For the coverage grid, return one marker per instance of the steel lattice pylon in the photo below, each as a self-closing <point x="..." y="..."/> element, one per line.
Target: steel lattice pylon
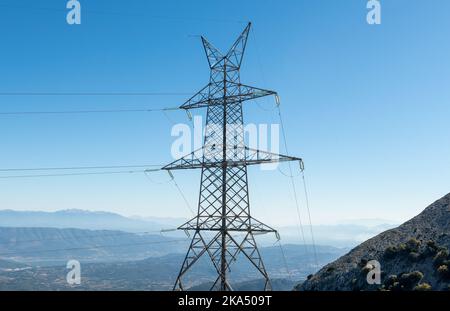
<point x="224" y="207"/>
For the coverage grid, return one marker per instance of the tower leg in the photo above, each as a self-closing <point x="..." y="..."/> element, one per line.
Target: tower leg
<point x="213" y="248"/>
<point x="249" y="248"/>
<point x="197" y="249"/>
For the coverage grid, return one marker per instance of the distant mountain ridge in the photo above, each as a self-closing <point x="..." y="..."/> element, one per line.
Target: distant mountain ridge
<point x="346" y="234"/>
<point x="81" y="219"/>
<point x="414" y="255"/>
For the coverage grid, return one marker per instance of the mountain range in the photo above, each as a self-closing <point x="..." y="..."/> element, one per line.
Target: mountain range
<point x="130" y="253"/>
<point x="50" y="246"/>
<point x="82" y="219"/>
<point x="344" y="234"/>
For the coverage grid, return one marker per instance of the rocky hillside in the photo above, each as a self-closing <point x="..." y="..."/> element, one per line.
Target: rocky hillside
<point x="413" y="256"/>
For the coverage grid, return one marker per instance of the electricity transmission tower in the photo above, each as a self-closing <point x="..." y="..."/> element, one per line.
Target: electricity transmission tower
<point x="223" y="228"/>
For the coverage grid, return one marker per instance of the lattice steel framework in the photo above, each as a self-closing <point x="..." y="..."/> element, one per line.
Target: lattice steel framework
<point x="223" y="228"/>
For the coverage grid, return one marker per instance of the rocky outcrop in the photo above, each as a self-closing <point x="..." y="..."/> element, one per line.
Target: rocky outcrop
<point x="413" y="256"/>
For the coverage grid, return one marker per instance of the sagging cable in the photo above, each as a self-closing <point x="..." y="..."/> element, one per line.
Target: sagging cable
<point x="181" y="192"/>
<point x="147" y="175"/>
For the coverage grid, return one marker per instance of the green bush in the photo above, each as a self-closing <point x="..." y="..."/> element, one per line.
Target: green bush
<point x="409" y="280"/>
<point x="431" y="248"/>
<point x="413" y="245"/>
<point x="423" y="287"/>
<point x="402" y="247"/>
<point x="440" y="257"/>
<point x="390" y="280"/>
<point x="390" y="252"/>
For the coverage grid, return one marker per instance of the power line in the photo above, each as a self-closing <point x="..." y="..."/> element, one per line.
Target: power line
<point x="292" y="180"/>
<point x="287" y="175"/>
<point x="172" y="179"/>
<point x="295" y="195"/>
<point x="153" y="181"/>
<point x="276" y="106"/>
<point x="309" y="216"/>
<point x="93" y="94"/>
<point x="147" y="16"/>
<point x="88" y="111"/>
<point x="76" y="168"/>
<point x="168" y="118"/>
<point x="284" y="260"/>
<point x="71" y="174"/>
<point x="182" y="194"/>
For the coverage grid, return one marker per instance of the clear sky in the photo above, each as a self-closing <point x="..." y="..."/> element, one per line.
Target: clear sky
<point x="367" y="107"/>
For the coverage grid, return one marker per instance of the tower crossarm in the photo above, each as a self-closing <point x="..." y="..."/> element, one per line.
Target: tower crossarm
<point x="238" y="156"/>
<point x="212" y="96"/>
<point x="212" y="223"/>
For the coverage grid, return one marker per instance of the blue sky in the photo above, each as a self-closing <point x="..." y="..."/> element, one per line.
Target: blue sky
<point x="367" y="107"/>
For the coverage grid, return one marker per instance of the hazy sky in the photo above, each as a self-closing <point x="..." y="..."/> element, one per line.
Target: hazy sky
<point x="367" y="107"/>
